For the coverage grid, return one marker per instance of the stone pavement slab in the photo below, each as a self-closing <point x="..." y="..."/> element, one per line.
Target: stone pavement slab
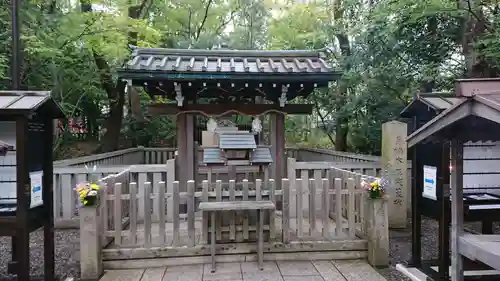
<point x="344" y="270"/>
<point x="328" y="271"/>
<point x="184" y="273"/>
<point x="297" y="268"/>
<point x="357" y="270"/>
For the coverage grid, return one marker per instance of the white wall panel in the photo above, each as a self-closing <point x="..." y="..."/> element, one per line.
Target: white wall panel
<point x="482" y="167"/>
<point x="8" y="162"/>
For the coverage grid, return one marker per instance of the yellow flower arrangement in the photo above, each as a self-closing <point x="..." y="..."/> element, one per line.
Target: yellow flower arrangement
<point x="88" y="193"/>
<point x="375" y="187"/>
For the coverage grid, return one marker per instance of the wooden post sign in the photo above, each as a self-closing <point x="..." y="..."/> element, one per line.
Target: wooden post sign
<point x="395" y="169"/>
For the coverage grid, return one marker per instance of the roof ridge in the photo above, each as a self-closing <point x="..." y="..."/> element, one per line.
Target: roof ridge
<point x="226" y="52"/>
<point x="437" y="94"/>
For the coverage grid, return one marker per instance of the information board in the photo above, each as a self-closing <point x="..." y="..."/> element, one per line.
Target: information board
<point x="36" y="189"/>
<point x="430" y="175"/>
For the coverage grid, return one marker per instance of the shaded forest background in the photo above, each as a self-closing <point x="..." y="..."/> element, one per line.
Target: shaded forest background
<point x="387" y="49"/>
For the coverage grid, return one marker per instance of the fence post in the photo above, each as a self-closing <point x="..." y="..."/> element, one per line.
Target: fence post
<point x="291" y="176"/>
<point x="90" y="243"/>
<point x="141" y="155"/>
<point x="169" y="186"/>
<point x="377" y="232"/>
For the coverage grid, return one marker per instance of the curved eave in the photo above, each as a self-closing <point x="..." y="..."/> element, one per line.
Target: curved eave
<point x="313" y="77"/>
<point x="486" y="108"/>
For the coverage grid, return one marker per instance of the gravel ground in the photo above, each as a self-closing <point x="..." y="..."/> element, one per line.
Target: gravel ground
<point x="67" y="243"/>
<point x="400" y="246"/>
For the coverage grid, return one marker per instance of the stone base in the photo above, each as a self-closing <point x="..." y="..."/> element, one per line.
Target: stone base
<point x="377" y="231"/>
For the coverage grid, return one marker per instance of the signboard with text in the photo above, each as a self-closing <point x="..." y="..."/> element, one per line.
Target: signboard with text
<point x="430" y="176"/>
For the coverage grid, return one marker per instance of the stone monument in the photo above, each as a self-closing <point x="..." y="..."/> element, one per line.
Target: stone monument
<point x="395" y="170"/>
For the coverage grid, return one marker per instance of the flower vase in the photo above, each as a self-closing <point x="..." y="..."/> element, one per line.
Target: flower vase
<point x="91" y="200"/>
<point x="375" y="194"/>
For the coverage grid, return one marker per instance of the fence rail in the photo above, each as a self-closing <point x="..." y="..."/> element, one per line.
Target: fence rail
<point x="159" y="155"/>
<point x="327" y="155"/>
<point x="189" y="230"/>
<point x="148" y="164"/>
<point x="66" y="179"/>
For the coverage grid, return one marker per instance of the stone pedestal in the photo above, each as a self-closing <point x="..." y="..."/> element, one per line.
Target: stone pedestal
<point x="377" y="232"/>
<point x="395" y="171"/>
<point x="90" y="244"/>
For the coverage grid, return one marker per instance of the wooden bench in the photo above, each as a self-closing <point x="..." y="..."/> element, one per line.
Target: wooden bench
<point x="259" y="206"/>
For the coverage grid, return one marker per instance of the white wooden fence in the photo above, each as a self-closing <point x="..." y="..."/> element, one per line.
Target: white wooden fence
<point x="66" y="179"/>
<point x="157" y="230"/>
<point x="160" y="155"/>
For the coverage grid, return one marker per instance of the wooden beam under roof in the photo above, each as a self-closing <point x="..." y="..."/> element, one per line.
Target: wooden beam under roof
<point x="218" y="110"/>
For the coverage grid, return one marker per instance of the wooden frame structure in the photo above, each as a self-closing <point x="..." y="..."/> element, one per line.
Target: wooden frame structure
<point x="475" y="117"/>
<point x="32" y="114"/>
<point x="421" y="110"/>
<point x="220" y="83"/>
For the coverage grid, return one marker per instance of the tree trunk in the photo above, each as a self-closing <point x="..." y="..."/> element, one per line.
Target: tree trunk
<point x="342" y="125"/>
<point x="474" y="26"/>
<point x="341" y="131"/>
<point x="133" y="94"/>
<point x="115" y="91"/>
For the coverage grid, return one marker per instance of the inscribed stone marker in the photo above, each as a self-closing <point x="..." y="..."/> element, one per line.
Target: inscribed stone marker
<point x="395" y="169"/>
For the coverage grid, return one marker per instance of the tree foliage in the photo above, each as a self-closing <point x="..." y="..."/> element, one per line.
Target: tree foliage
<point x="387" y="50"/>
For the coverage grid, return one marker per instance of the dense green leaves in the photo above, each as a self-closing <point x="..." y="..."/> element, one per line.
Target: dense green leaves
<point x="387" y="50"/>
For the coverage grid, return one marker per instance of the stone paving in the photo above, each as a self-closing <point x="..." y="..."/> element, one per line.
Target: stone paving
<point x="343" y="270"/>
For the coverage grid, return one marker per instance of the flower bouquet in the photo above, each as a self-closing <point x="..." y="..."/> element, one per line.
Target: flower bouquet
<point x="88" y="192"/>
<point x="375" y="187"/>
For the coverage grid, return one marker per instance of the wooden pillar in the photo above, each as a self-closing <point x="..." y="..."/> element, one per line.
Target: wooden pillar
<point x="416" y="218"/>
<point x="190" y="147"/>
<point x="457" y="209"/>
<point x="443" y="195"/>
<point x="48" y="198"/>
<point x="272" y="143"/>
<point x="182" y="153"/>
<point x="22" y="262"/>
<point x="277" y="136"/>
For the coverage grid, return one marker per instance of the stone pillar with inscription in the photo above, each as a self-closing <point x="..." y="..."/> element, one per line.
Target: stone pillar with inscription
<point x="395" y="170"/>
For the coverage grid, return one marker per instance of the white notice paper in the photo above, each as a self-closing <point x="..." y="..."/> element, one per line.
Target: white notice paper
<point x="430" y="175"/>
<point x="36" y="189"/>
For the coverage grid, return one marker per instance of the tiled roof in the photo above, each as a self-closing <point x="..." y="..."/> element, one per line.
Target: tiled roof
<point x="228" y="61"/>
<point x="237" y="141"/>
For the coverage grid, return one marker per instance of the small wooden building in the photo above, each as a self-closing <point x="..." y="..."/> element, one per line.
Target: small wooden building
<point x="221" y="83"/>
<point x="474" y="118"/>
<point x="26" y="191"/>
<point x="479" y="186"/>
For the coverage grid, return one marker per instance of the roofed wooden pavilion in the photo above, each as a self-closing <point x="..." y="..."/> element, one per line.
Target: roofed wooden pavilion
<point x="475" y="116"/>
<point x="221" y="83"/>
